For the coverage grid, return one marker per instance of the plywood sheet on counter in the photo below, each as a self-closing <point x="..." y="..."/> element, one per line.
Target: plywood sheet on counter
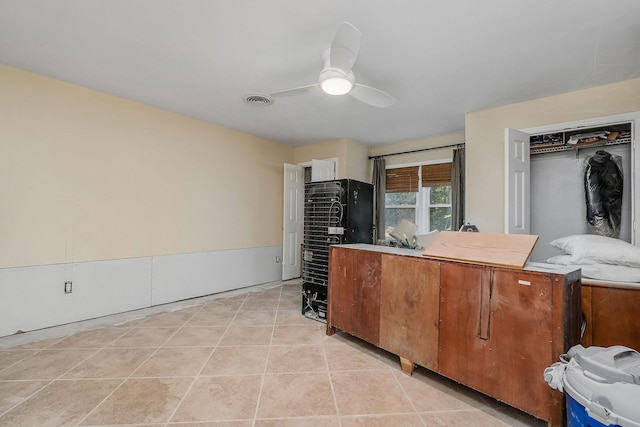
<point x="511" y="250"/>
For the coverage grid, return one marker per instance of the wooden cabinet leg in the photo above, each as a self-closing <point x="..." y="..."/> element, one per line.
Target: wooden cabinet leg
<point x="407" y="365"/>
<point x="331" y="330"/>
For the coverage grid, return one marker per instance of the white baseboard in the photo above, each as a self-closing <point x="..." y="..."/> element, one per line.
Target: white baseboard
<point x="33" y="298"/>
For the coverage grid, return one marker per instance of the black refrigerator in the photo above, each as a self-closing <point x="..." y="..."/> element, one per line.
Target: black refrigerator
<point x="335" y="212"/>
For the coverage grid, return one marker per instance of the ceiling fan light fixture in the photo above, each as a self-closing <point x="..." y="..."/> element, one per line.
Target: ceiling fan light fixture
<point x="336" y="82"/>
<point x="336" y="77"/>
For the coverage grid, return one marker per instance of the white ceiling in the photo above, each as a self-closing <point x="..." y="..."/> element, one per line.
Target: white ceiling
<point x="439" y="58"/>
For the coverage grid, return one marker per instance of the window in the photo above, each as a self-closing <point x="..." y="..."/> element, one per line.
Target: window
<point x="420" y="194"/>
<point x="436" y="208"/>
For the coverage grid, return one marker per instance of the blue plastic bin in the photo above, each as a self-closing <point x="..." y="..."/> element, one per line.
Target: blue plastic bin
<point x="577" y="415"/>
<point x="601" y="385"/>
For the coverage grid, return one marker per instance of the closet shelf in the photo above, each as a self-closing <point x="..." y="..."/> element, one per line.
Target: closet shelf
<point x="567" y="147"/>
<point x="574" y="139"/>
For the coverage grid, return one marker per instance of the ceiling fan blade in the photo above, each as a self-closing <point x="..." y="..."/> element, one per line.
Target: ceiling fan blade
<point x="345" y="47"/>
<point x="372" y="96"/>
<point x="295" y="91"/>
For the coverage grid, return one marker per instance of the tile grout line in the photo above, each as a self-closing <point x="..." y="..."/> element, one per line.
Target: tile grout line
<point x="186" y="339"/>
<point x="59" y="377"/>
<point x="34" y="351"/>
<point x="26" y="399"/>
<point x="266" y="365"/>
<point x="199" y="374"/>
<point x="125" y="330"/>
<point x="138" y="367"/>
<point x="406" y="395"/>
<point x="333" y="391"/>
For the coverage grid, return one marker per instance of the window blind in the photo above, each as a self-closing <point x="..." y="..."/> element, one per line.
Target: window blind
<point x="437" y="174"/>
<point x="402" y="180"/>
<point x="405" y="180"/>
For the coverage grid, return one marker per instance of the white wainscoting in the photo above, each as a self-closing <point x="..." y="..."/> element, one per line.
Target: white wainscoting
<point x="177" y="277"/>
<point x="33" y="297"/>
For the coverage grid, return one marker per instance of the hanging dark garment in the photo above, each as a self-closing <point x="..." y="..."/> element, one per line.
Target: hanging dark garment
<point x="603" y="194"/>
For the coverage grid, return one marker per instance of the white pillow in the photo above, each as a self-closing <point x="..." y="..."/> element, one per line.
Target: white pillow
<point x="619" y="273"/>
<point x="594" y="249"/>
<point x="593" y="270"/>
<point x="560" y="260"/>
<point x="568" y="260"/>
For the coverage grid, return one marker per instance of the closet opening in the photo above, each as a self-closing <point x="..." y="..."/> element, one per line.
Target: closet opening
<point x="568" y="190"/>
<point x="546" y="170"/>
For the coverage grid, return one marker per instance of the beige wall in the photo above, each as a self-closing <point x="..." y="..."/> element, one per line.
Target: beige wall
<point x="88" y="176"/>
<point x="418" y="144"/>
<point x="358" y="161"/>
<point x="351" y="155"/>
<point x="335" y="148"/>
<point x="485" y="139"/>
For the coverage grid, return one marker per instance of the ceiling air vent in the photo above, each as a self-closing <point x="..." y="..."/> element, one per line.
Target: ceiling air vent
<point x="258" y="99"/>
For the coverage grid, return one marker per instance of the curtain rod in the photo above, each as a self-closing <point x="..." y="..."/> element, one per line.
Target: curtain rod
<point x="421" y="149"/>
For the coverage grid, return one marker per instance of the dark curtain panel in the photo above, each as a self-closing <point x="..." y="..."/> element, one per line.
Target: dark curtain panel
<point x="457" y="189"/>
<point x="379" y="180"/>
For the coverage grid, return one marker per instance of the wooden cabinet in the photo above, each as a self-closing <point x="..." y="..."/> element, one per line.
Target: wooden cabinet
<point x="494" y="329"/>
<point x="501" y="327"/>
<point x="356" y="294"/>
<point x="389" y="301"/>
<point x="611" y="315"/>
<point x="409" y="310"/>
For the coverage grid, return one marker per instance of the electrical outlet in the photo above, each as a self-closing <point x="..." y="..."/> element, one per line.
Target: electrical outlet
<point x="68" y="287"/>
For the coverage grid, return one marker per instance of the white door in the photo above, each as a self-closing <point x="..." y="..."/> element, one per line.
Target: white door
<point x="293" y="221"/>
<point x="323" y="170"/>
<point x="517" y="182"/>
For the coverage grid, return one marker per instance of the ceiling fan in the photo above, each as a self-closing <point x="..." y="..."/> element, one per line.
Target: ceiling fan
<point x="336" y="78"/>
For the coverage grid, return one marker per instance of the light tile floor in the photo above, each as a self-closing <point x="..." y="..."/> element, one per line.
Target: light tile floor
<point x="242" y="359"/>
